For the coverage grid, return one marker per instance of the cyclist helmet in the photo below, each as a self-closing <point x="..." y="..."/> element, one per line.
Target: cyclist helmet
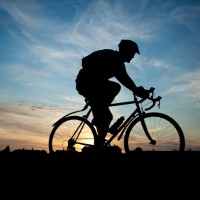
<point x="128" y="45"/>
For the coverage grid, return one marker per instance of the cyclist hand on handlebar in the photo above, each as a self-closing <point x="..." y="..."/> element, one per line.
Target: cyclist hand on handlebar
<point x="141" y="92"/>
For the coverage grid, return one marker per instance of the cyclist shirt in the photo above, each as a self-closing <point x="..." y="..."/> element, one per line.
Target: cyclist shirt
<point x="102" y="65"/>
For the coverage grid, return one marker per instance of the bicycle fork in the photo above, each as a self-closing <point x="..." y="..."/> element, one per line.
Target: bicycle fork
<point x="153" y="142"/>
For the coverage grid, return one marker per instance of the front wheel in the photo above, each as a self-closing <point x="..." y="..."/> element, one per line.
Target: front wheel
<point x="166" y="133"/>
<point x="72" y="133"/>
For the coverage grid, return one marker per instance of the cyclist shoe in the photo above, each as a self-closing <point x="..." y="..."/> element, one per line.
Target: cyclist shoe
<point x="100" y="143"/>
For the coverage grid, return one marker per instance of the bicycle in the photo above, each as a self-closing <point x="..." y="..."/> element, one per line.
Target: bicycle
<point x="150" y="131"/>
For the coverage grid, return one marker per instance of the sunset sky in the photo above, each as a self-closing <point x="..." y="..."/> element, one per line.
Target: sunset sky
<point x="42" y="43"/>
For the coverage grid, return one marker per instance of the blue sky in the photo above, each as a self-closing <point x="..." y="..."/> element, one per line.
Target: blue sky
<point x="43" y="42"/>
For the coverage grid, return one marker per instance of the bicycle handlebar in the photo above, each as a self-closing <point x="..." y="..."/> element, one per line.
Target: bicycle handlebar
<point x="151" y="97"/>
<point x="154" y="102"/>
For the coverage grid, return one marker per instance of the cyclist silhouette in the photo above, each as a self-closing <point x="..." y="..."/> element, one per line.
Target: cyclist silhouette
<point x="93" y="82"/>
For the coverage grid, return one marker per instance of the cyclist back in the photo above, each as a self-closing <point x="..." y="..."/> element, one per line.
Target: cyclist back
<point x="93" y="82"/>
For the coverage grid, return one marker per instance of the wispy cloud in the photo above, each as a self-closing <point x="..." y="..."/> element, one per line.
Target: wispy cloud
<point x="160" y="64"/>
<point x="24" y="123"/>
<point x="187" y="15"/>
<point x="188" y="86"/>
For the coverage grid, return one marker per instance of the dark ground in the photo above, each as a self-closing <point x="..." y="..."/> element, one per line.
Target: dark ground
<point x="37" y="172"/>
<point x="110" y="159"/>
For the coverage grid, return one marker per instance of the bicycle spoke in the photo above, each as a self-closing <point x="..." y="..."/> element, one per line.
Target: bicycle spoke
<point x="166" y="133"/>
<point x="74" y="133"/>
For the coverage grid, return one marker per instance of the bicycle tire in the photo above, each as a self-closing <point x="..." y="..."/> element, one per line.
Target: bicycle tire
<point x="63" y="131"/>
<point x="163" y="129"/>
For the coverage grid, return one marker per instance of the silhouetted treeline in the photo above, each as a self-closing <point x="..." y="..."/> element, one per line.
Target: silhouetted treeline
<point x="111" y="157"/>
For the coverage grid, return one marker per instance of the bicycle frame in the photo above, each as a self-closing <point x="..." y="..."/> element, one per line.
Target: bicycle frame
<point x="149" y="130"/>
<point x="138" y="112"/>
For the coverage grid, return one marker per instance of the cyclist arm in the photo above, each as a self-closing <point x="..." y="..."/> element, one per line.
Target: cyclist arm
<point x="123" y="77"/>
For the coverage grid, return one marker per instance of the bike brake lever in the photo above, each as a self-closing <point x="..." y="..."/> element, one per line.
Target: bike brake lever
<point x="151" y="90"/>
<point x="159" y="98"/>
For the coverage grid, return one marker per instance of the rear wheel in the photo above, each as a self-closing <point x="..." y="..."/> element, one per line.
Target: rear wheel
<point x="166" y="133"/>
<point x="72" y="133"/>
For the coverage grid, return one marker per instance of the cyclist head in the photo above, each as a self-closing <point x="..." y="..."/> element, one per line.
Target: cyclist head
<point x="128" y="49"/>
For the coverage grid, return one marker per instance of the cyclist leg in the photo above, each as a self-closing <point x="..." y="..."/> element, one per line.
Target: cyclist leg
<point x="100" y="101"/>
<point x="110" y="91"/>
<point x="100" y="95"/>
<point x="102" y="119"/>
